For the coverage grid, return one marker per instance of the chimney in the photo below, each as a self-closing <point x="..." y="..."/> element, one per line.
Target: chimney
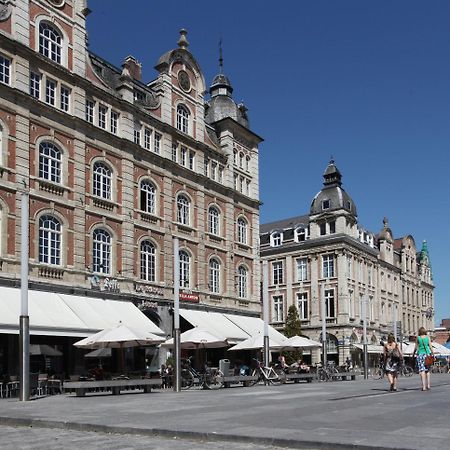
<point x="134" y="67"/>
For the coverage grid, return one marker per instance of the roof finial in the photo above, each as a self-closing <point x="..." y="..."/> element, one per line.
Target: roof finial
<point x="331" y="159"/>
<point x="385" y="222"/>
<point x="183" y="42"/>
<point x="220" y="56"/>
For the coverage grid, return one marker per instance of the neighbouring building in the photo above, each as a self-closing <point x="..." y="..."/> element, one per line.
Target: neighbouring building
<point x="116" y="167"/>
<point x="442" y="332"/>
<point x="328" y="254"/>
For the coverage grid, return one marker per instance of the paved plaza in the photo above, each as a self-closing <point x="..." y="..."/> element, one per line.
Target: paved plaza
<point x="360" y="414"/>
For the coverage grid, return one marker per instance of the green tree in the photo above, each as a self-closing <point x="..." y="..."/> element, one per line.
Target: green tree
<point x="293" y="327"/>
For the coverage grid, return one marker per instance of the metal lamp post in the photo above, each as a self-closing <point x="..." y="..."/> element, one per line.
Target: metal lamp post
<point x="176" y="314"/>
<point x="324" y="327"/>
<point x="265" y="296"/>
<point x="366" y="360"/>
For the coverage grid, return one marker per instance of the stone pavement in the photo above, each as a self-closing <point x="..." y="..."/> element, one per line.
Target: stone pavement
<point x="359" y="414"/>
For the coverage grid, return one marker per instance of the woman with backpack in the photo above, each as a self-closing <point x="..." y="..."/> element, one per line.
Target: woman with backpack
<point x="392" y="361"/>
<point x="423" y="349"/>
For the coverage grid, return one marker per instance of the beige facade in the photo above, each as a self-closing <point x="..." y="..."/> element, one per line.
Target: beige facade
<point x="116" y="168"/>
<point x="327" y="254"/>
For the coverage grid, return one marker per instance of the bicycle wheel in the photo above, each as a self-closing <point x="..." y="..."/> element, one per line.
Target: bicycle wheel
<point x="322" y="375"/>
<point x="408" y="371"/>
<point x="377" y="373"/>
<point x="214" y="379"/>
<point x="273" y="378"/>
<point x="255" y="373"/>
<point x="186" y="379"/>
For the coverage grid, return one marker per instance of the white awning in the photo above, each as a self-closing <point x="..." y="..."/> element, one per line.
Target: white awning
<point x="54" y="314"/>
<point x="232" y="327"/>
<point x="373" y="349"/>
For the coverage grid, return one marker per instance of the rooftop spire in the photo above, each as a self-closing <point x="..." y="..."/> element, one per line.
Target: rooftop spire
<point x="183" y="42"/>
<point x="220" y="56"/>
<point x="332" y="176"/>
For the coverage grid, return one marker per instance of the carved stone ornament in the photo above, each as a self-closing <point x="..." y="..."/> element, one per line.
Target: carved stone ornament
<point x="57" y="3"/>
<point x="5" y="10"/>
<point x="184" y="81"/>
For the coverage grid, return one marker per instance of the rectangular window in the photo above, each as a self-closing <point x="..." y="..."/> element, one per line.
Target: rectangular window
<point x="65" y="98"/>
<point x="50" y="89"/>
<point x="147" y="138"/>
<point x="114" y="121"/>
<point x="323" y="229"/>
<point x="157" y="138"/>
<point x="278" y="315"/>
<point x="332" y="227"/>
<point x="5" y="70"/>
<point x="277" y="268"/>
<point x="90" y="111"/>
<point x="327" y="266"/>
<point x="206" y="167"/>
<point x="102" y="112"/>
<point x="351" y="304"/>
<point x="213" y="171"/>
<point x="191" y="159"/>
<point x="330" y="311"/>
<point x="35" y="84"/>
<point x="302" y="269"/>
<point x="137" y="133"/>
<point x="302" y="304"/>
<point x="183" y="157"/>
<point x="220" y="174"/>
<point x="174" y="152"/>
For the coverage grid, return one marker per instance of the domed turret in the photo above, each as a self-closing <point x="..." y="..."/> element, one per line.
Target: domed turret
<point x="332" y="197"/>
<point x="386" y="233"/>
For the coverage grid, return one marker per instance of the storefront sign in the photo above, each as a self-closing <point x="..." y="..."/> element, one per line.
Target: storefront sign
<point x="105" y="284"/>
<point x="149" y="290"/>
<point x="145" y="305"/>
<point x="187" y="297"/>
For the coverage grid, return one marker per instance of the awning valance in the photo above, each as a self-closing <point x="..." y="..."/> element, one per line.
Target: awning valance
<point x="373" y="349"/>
<point x="53" y="314"/>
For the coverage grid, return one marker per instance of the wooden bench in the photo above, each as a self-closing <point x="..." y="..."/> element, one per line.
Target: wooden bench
<point x="297" y="377"/>
<point x="228" y="380"/>
<point x="81" y="387"/>
<point x="344" y="376"/>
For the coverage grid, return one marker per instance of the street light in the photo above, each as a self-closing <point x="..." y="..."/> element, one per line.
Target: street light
<point x="364" y="313"/>
<point x="265" y="296"/>
<point x="176" y="314"/>
<point x="324" y="327"/>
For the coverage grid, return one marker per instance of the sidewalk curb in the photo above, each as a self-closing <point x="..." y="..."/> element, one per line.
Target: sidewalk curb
<point x="192" y="435"/>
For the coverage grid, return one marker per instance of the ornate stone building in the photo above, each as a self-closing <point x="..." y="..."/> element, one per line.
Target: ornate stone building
<point x="116" y="167"/>
<point x="328" y="254"/>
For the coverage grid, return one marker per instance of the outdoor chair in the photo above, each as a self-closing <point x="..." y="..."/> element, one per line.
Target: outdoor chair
<point x="13" y="386"/>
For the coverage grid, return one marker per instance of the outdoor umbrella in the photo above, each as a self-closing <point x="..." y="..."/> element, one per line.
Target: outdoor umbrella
<point x="119" y="337"/>
<point x="439" y="350"/>
<point x="257" y="342"/>
<point x="99" y="353"/>
<point x="300" y="342"/>
<point x="196" y="337"/>
<point x="44" y="350"/>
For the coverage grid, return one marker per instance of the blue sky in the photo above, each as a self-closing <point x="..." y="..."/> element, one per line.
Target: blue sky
<point x="366" y="82"/>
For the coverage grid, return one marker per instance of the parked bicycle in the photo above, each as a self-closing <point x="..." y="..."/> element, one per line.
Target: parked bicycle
<point x="328" y="372"/>
<point x="211" y="378"/>
<point x="264" y="374"/>
<point x="378" y="372"/>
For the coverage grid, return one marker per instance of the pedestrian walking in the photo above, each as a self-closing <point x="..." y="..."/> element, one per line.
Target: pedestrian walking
<point x="423" y="349"/>
<point x="392" y="360"/>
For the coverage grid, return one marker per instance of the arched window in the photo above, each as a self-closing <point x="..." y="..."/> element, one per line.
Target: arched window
<point x="214" y="276"/>
<point x="101" y="251"/>
<point x="183" y="210"/>
<point x="301" y="234"/>
<point x="49" y="240"/>
<point x="242" y="230"/>
<point x="50" y="162"/>
<point x="50" y="42"/>
<point x="147" y="261"/>
<point x="213" y="220"/>
<point x="185" y="268"/>
<point x="276" y="239"/>
<point x="242" y="282"/>
<point x="102" y="181"/>
<point x="148" y="197"/>
<point x="182" y="119"/>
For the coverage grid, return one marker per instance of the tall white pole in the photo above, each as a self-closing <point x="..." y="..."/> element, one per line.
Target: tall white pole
<point x="395" y="320"/>
<point x="265" y="296"/>
<point x="176" y="314"/>
<point x="324" y="327"/>
<point x="24" y="319"/>
<point x="364" y="313"/>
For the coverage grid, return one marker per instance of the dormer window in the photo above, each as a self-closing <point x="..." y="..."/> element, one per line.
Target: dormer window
<point x="276" y="239"/>
<point x="301" y="234"/>
<point x="325" y="205"/>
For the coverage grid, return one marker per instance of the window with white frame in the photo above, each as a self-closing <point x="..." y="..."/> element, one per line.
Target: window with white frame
<point x="157" y="138"/>
<point x="221" y="169"/>
<point x="182" y="119"/>
<point x="49" y="240"/>
<point x="102" y="180"/>
<point x="90" y="106"/>
<point x="370" y="308"/>
<point x="137" y="133"/>
<point x="50" y="90"/>
<point x="277" y="272"/>
<point x="278" y="310"/>
<point x="302" y="269"/>
<point x="327" y="266"/>
<point x="214" y="275"/>
<point x="302" y="305"/>
<point x="206" y="167"/>
<point x="242" y="230"/>
<point x="101" y="251"/>
<point x="148" y="261"/>
<point x="332" y="226"/>
<point x="148" y="196"/>
<point x="276" y="239"/>
<point x="102" y="113"/>
<point x="183" y="155"/>
<point x="5" y="70"/>
<point x="114" y="122"/>
<point x="191" y="160"/>
<point x="213" y="220"/>
<point x="349" y="266"/>
<point x="330" y="307"/>
<point x="50" y="42"/>
<point x="213" y="171"/>
<point x="242" y="282"/>
<point x="65" y="98"/>
<point x="50" y="162"/>
<point x="147" y="138"/>
<point x="174" y="152"/>
<point x="185" y="267"/>
<point x="301" y="234"/>
<point x="183" y="210"/>
<point x="241" y="160"/>
<point x="35" y="84"/>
